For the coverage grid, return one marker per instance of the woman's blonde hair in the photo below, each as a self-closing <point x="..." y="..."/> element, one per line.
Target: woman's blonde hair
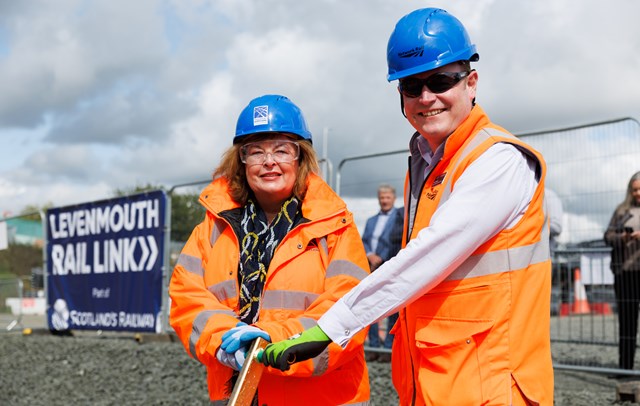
<point x="629" y="201"/>
<point x="232" y="168"/>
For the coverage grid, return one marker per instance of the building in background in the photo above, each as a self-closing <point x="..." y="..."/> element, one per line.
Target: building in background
<point x="25" y="232"/>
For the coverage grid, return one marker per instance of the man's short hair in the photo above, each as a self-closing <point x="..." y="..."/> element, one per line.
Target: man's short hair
<point x="385" y="187"/>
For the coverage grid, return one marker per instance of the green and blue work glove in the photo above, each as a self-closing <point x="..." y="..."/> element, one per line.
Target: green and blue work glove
<point x="298" y="348"/>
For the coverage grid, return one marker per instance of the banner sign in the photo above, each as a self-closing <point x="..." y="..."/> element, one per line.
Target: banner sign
<point x="104" y="264"/>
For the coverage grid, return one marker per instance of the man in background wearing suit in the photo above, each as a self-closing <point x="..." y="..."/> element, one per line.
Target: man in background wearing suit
<point x="382" y="240"/>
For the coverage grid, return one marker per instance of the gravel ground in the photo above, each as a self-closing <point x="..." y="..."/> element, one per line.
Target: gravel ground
<point x="41" y="369"/>
<point x="87" y="369"/>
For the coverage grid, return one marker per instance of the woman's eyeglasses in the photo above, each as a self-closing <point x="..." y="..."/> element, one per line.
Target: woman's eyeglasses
<point x="281" y="151"/>
<point x="437" y="83"/>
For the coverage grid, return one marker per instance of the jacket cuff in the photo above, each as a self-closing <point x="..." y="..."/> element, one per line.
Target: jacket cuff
<point x="340" y="324"/>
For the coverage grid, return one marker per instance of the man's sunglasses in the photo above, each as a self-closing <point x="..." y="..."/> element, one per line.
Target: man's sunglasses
<point x="436" y="83"/>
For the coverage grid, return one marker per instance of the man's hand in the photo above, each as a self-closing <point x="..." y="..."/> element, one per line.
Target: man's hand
<point x="241" y="336"/>
<point x="298" y="348"/>
<point x="374" y="261"/>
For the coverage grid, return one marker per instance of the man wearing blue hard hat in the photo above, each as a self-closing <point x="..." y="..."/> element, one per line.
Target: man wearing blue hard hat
<point x="472" y="282"/>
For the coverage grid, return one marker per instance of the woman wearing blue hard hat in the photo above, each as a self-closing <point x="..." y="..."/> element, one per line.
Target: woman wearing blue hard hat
<point x="276" y="249"/>
<point x="473" y="280"/>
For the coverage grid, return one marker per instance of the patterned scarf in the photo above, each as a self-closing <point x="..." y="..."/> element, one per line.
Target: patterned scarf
<point x="258" y="242"/>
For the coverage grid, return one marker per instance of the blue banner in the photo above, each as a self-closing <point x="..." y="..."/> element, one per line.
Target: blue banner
<point x="104" y="264"/>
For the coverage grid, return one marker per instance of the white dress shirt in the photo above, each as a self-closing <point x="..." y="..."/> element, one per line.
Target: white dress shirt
<point x="491" y="195"/>
<point x="381" y="222"/>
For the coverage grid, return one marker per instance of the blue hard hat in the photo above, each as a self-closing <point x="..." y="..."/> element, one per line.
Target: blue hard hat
<point x="271" y="113"/>
<point x="426" y="39"/>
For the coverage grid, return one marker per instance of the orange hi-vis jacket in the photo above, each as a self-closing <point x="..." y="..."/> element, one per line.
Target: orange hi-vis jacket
<point x="481" y="336"/>
<point x="317" y="262"/>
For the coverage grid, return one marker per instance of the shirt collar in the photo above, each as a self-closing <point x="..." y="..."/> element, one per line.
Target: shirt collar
<point x="425" y="150"/>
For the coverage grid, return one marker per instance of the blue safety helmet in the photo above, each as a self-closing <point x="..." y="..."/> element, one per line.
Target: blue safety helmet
<point x="271" y="113"/>
<point x="426" y="39"/>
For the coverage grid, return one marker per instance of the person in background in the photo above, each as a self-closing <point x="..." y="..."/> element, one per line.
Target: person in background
<point x="473" y="283"/>
<point x="276" y="249"/>
<point x="623" y="236"/>
<point x="382" y="239"/>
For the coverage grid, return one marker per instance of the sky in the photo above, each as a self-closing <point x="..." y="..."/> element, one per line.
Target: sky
<point x="97" y="96"/>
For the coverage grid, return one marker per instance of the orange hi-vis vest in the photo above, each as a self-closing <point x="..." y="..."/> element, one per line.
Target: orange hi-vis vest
<point x="315" y="264"/>
<point x="482" y="334"/>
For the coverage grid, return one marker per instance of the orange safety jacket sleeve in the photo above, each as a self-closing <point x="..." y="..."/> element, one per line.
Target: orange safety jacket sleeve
<point x="196" y="315"/>
<point x="345" y="266"/>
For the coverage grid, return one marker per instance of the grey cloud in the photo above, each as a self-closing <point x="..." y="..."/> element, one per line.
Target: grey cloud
<point x="137" y="79"/>
<point x="77" y="164"/>
<point x="127" y="115"/>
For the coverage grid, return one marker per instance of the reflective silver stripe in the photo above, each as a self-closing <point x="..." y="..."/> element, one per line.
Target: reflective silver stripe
<point x="307" y="322"/>
<point x="287" y="299"/>
<point x="494" y="132"/>
<point x="218" y="227"/>
<point x="198" y="326"/>
<point x="479" y="138"/>
<point x="344" y="267"/>
<point x="502" y="261"/>
<point x="191" y="264"/>
<point x="224" y="290"/>
<point x="321" y="363"/>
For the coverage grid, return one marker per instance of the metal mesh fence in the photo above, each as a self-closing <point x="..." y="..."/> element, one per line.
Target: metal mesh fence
<point x="589" y="168"/>
<point x="10" y="304"/>
<point x="21" y="269"/>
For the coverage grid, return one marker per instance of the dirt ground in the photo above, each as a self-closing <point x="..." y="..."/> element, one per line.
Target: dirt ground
<point x="88" y="369"/>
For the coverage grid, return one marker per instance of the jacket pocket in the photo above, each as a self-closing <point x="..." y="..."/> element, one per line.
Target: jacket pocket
<point x="521" y="394"/>
<point x="452" y="360"/>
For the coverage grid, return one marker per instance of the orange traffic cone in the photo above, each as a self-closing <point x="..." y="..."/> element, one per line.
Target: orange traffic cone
<point x="580" y="302"/>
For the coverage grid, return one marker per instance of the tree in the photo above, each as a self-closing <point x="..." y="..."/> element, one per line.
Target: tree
<point x="32" y="212"/>
<point x="20" y="259"/>
<point x="186" y="213"/>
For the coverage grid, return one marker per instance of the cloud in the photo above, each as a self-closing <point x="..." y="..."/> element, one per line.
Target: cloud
<point x="72" y="163"/>
<point x="130" y="111"/>
<point x="104" y="96"/>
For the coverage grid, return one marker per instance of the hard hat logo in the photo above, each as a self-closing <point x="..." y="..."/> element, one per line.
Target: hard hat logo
<point x="415" y="52"/>
<point x="260" y="115"/>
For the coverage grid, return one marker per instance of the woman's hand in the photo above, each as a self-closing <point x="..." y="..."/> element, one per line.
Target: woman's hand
<point x="241" y="336"/>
